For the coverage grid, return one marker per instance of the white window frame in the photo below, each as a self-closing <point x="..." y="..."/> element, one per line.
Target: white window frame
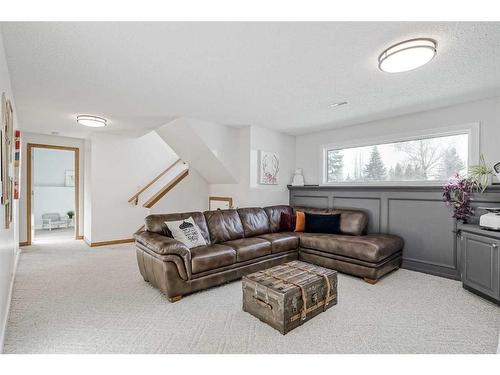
<point x="471" y="129"/>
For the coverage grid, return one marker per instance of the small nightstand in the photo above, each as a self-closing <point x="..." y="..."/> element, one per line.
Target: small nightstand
<point x="480" y="265"/>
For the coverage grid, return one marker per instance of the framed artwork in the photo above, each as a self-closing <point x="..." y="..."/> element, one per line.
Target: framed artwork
<point x="3" y="163"/>
<point x="69" y="178"/>
<point x="269" y="167"/>
<point x="17" y="160"/>
<point x="7" y="140"/>
<point x="220" y="203"/>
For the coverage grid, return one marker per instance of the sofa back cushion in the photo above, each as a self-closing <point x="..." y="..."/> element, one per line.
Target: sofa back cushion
<point x="156" y="223"/>
<point x="353" y="222"/>
<point x="254" y="220"/>
<point x="317" y="223"/>
<point x="224" y="225"/>
<point x="274" y="215"/>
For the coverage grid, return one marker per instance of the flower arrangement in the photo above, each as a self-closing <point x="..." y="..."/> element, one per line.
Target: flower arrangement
<point x="458" y="190"/>
<point x="457" y="194"/>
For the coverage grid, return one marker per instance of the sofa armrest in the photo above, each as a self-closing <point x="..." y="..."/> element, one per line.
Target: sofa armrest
<point x="162" y="245"/>
<point x="166" y="248"/>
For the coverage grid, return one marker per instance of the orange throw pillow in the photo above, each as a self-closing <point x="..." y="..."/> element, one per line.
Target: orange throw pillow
<point x="300" y="223"/>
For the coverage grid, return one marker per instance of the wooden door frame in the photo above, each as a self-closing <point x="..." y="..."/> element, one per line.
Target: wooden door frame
<point x="29" y="183"/>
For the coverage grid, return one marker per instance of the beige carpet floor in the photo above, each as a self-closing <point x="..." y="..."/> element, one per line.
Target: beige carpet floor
<point x="43" y="236"/>
<point x="69" y="298"/>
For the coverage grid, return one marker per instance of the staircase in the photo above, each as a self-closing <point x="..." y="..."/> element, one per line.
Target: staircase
<point x="212" y="151"/>
<point x="154" y="190"/>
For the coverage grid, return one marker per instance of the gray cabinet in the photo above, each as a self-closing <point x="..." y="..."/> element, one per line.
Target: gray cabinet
<point x="480" y="262"/>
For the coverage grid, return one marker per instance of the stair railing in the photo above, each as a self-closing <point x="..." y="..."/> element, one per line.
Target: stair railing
<point x="135" y="198"/>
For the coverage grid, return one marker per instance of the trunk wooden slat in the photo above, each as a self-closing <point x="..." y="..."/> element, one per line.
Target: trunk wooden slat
<point x="276" y="296"/>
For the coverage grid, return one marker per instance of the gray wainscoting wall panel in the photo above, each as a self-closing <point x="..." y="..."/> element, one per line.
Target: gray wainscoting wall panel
<point x="311" y="201"/>
<point x="417" y="214"/>
<point x="428" y="231"/>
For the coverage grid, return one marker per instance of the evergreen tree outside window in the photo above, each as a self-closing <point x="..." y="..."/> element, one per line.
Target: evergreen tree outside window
<point x="335" y="165"/>
<point x="375" y="169"/>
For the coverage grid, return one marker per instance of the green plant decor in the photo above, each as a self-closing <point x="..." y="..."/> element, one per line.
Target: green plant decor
<point x="70" y="214"/>
<point x="479" y="175"/>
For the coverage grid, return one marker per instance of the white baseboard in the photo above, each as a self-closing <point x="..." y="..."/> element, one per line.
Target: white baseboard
<point x="3" y="327"/>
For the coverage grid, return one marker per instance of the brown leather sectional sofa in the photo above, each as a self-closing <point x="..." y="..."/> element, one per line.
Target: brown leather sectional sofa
<point x="247" y="240"/>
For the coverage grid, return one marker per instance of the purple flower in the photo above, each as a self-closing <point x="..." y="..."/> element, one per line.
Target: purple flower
<point x="457" y="194"/>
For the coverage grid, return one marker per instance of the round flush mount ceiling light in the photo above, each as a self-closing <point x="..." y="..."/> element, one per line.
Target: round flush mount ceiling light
<point x="92" y="121"/>
<point x="407" y="55"/>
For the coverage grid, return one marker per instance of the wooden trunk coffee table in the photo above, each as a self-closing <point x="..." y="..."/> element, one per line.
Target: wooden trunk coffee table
<point x="290" y="294"/>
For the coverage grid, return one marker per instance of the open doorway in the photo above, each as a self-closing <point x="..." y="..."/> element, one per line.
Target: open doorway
<point x="53" y="183"/>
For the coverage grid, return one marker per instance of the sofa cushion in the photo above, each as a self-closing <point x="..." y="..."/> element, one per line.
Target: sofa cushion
<point x="206" y="258"/>
<point x="287" y="222"/>
<point x="187" y="232"/>
<point x="300" y="221"/>
<point x="254" y="221"/>
<point x="224" y="225"/>
<point x="352" y="222"/>
<point x="249" y="248"/>
<point x="156" y="223"/>
<point x="316" y="223"/>
<point x="281" y="241"/>
<point x="371" y="248"/>
<point x="274" y="215"/>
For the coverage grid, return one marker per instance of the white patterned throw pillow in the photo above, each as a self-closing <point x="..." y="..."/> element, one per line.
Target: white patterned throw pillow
<point x="187" y="232"/>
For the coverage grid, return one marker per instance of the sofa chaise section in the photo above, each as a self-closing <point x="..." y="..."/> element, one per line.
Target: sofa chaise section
<point x="354" y="252"/>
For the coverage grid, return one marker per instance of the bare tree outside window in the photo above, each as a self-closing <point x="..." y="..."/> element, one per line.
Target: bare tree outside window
<point x="451" y="163"/>
<point x="423" y="154"/>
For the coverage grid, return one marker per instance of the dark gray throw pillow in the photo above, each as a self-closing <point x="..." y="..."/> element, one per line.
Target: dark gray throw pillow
<point x="322" y="223"/>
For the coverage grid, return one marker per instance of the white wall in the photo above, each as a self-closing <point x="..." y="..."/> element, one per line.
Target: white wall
<point x="121" y="166"/>
<point x="8" y="237"/>
<point x="50" y="195"/>
<point x="206" y="146"/>
<point x="48" y="140"/>
<point x="486" y="112"/>
<point x="191" y="194"/>
<point x="248" y="192"/>
<point x="50" y="166"/>
<point x="221" y="140"/>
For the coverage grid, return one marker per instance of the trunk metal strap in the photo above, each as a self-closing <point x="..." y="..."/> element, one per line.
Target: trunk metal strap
<point x="301" y="287"/>
<point x="303" y="313"/>
<point x="327" y="281"/>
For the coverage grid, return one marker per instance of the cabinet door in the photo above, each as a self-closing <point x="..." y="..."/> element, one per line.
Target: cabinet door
<point x="481" y="267"/>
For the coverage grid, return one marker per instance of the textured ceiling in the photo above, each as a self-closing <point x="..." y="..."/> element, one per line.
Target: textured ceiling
<point x="276" y="75"/>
